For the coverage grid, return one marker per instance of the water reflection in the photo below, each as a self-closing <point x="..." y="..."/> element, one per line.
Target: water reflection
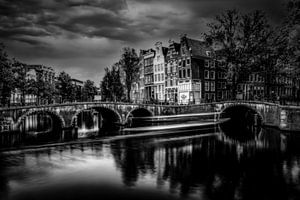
<point x="190" y="167"/>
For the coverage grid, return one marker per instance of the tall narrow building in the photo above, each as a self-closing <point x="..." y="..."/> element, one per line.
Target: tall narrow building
<point x="159" y="72"/>
<point x="148" y="56"/>
<point x="171" y="72"/>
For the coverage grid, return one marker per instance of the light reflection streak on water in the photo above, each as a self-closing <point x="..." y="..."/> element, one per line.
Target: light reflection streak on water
<point x="178" y="166"/>
<point x="185" y="137"/>
<point x="179" y="116"/>
<point x="168" y="127"/>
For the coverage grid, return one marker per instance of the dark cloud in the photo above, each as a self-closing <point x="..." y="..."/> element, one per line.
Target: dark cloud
<point x="29" y="31"/>
<point x="87" y="35"/>
<point x="29" y="41"/>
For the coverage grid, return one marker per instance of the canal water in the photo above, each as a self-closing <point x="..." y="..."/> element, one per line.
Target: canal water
<point x="198" y="162"/>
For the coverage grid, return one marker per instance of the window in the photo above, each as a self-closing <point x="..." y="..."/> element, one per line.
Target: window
<point x="206" y="74"/>
<point x="183" y="63"/>
<point x="180" y="74"/>
<point x="206" y="96"/>
<point x="188" y="61"/>
<point x="213" y="97"/>
<point x="206" y="63"/>
<point x="183" y="75"/>
<point x="212" y="86"/>
<point x="188" y="73"/>
<point x="212" y="75"/>
<point x="158" y="77"/>
<point x="212" y="64"/>
<point x="206" y="86"/>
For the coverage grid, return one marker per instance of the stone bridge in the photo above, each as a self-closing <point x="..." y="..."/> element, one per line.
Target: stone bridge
<point x="65" y="115"/>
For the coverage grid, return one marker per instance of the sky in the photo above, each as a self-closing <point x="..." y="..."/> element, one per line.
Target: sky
<point x="82" y="37"/>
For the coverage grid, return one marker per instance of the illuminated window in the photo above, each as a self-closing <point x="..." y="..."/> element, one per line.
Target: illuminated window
<point x="206" y="86"/>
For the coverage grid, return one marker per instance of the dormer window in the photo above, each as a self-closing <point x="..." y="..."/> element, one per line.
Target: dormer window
<point x="208" y="53"/>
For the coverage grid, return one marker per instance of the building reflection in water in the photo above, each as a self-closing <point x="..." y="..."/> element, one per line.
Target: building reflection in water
<point x="212" y="167"/>
<point x="216" y="168"/>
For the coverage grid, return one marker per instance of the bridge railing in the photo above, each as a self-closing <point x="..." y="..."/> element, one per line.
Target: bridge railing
<point x="142" y="104"/>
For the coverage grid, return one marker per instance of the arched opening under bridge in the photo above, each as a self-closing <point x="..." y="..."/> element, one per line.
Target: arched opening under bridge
<point x="97" y="121"/>
<point x="40" y="127"/>
<point x="243" y="122"/>
<point x="138" y="116"/>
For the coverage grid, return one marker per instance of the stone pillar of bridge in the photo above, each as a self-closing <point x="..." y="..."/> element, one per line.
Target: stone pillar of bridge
<point x="70" y="132"/>
<point x="96" y="120"/>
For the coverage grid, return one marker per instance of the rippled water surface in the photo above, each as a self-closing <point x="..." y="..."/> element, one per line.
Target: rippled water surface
<point x="189" y="165"/>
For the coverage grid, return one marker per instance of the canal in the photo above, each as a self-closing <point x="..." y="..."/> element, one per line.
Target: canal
<point x="198" y="162"/>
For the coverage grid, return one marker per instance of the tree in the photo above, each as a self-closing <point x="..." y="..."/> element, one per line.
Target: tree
<point x="44" y="90"/>
<point x="111" y="86"/>
<point x="22" y="83"/>
<point x="89" y="90"/>
<point x="270" y="68"/>
<point x="78" y="94"/>
<point x="290" y="31"/>
<point x="129" y="64"/>
<point x="6" y="76"/>
<point x="105" y="86"/>
<point x="65" y="88"/>
<point x="241" y="38"/>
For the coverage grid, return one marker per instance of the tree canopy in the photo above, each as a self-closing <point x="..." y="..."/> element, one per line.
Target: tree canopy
<point x="111" y="86"/>
<point x="89" y="90"/>
<point x="65" y="87"/>
<point x="6" y="76"/>
<point x="242" y="39"/>
<point x="129" y="64"/>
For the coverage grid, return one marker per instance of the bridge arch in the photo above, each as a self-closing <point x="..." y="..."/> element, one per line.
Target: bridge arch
<point x="244" y="124"/>
<point x="139" y="112"/>
<point x="52" y="114"/>
<point x="106" y="113"/>
<point x="239" y="110"/>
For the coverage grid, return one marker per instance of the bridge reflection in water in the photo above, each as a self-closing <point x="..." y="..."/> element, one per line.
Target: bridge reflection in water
<point x="191" y="164"/>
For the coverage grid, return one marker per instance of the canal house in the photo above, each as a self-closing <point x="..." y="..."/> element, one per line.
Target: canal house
<point x="196" y="72"/>
<point x="171" y="72"/>
<point x="159" y="71"/>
